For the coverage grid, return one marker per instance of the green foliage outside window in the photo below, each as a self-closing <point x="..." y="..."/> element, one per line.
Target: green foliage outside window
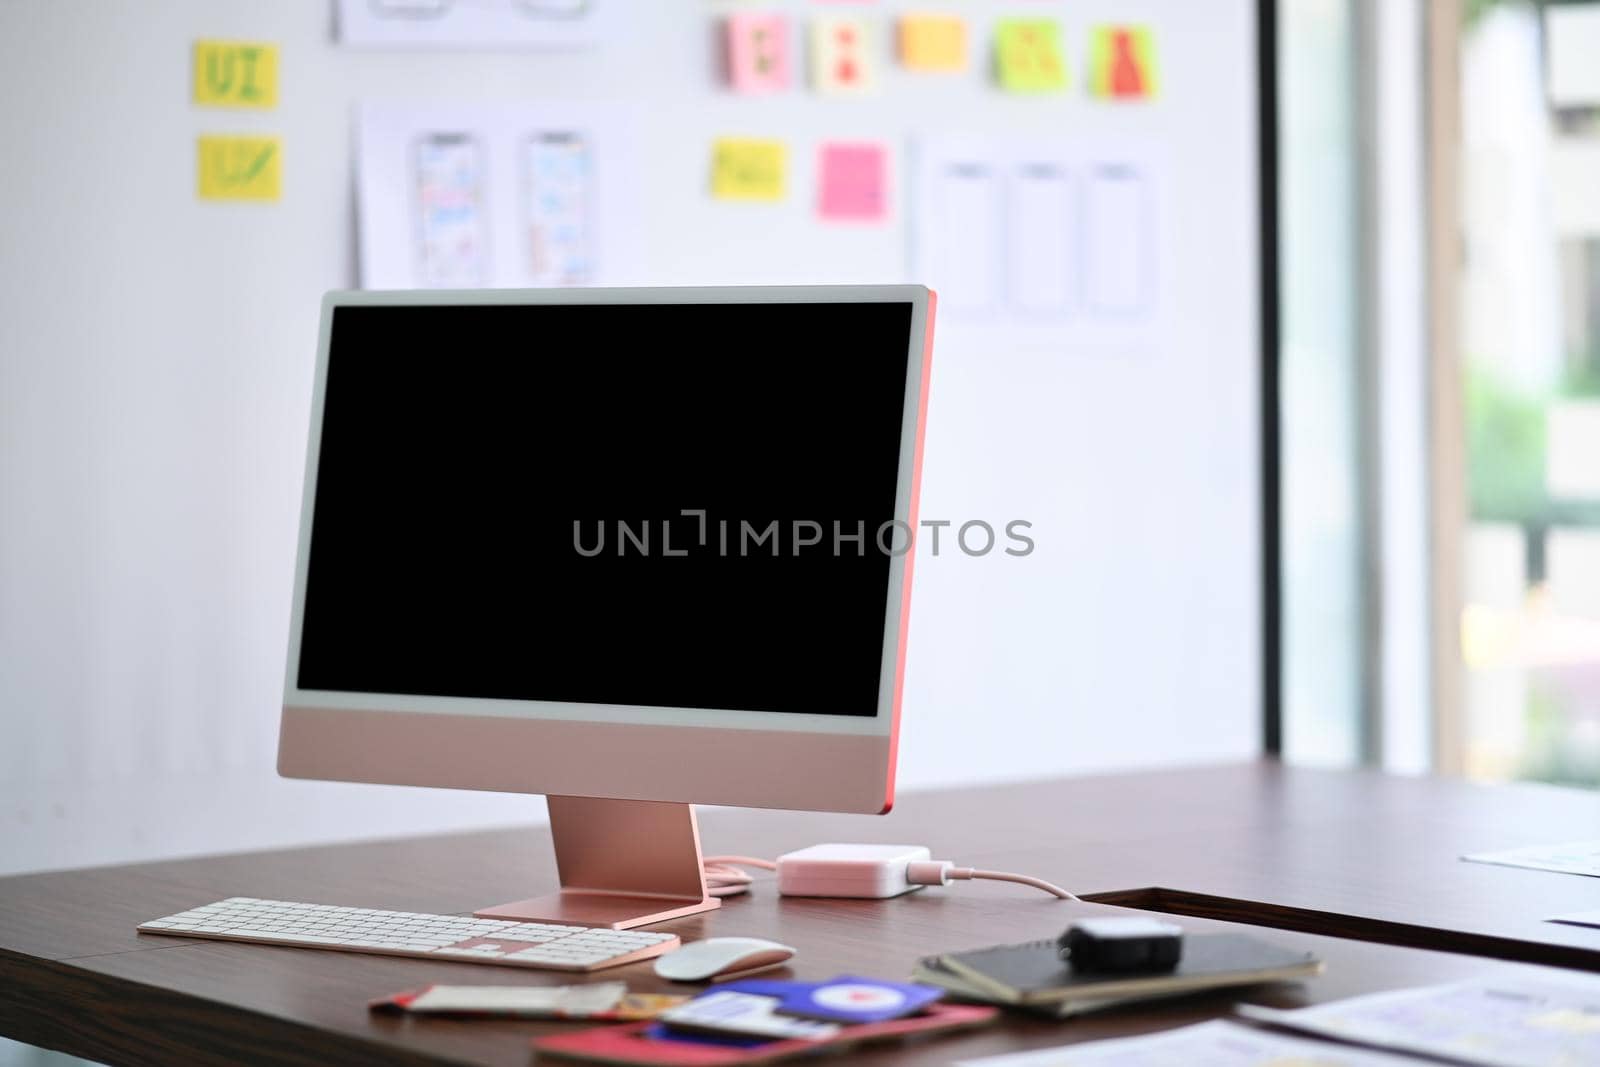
<point x="1506" y="450"/>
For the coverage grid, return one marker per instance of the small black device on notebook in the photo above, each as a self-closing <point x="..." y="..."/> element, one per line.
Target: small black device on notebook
<point x="1132" y="945"/>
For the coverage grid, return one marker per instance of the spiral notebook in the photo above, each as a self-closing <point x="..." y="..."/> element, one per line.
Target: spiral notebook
<point x="1034" y="974"/>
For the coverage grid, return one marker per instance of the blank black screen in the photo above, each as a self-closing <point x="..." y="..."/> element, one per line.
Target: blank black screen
<point x="461" y="445"/>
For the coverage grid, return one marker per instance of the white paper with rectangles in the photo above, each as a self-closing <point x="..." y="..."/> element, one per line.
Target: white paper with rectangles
<point x="1055" y="238"/>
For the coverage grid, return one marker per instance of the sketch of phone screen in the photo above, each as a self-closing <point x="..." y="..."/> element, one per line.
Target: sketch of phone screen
<point x="557" y="173"/>
<point x="410" y="9"/>
<point x="451" y="238"/>
<point x="1118" y="259"/>
<point x="1040" y="240"/>
<point x="554" y="9"/>
<point x="968" y="262"/>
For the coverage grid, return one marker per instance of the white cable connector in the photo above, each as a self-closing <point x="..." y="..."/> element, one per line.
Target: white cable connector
<point x="725" y="879"/>
<point x="870" y="872"/>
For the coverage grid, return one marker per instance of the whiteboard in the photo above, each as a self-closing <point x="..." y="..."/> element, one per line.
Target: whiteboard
<point x="155" y="365"/>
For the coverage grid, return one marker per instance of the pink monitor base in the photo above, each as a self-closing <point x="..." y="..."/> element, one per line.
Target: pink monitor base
<point x="621" y="863"/>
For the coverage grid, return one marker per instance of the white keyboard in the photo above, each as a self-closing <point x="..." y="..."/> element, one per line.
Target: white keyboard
<point x="542" y="946"/>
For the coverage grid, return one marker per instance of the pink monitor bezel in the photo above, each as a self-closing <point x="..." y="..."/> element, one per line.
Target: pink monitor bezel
<point x="751" y="759"/>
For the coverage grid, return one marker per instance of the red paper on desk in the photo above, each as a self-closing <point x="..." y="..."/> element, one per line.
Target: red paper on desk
<point x="629" y="1044"/>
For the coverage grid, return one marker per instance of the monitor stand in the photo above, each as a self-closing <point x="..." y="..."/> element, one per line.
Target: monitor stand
<point x="622" y="863"/>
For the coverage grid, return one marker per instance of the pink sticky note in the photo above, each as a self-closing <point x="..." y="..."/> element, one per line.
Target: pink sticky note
<point x="854" y="182"/>
<point x="758" y="53"/>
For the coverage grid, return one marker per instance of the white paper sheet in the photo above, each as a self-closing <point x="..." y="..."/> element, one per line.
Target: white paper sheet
<point x="1494" y="1023"/>
<point x="1041" y="238"/>
<point x="531" y="1000"/>
<point x="1213" y="1044"/>
<point x="961" y="237"/>
<point x="458" y="196"/>
<point x="1118" y="241"/>
<point x="1571" y="857"/>
<point x="472" y="23"/>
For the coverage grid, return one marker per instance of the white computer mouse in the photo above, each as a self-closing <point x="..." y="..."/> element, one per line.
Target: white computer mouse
<point x="700" y="960"/>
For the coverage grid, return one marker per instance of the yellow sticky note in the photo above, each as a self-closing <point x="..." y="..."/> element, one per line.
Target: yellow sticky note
<point x="745" y="169"/>
<point x="1028" y="55"/>
<point x="935" y="43"/>
<point x="1122" y="63"/>
<point x="239" y="168"/>
<point x="235" y="74"/>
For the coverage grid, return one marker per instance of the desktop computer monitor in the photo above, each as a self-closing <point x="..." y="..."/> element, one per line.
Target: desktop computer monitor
<point x="630" y="548"/>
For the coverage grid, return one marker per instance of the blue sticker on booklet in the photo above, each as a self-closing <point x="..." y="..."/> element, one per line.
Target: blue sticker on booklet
<point x="845" y="999"/>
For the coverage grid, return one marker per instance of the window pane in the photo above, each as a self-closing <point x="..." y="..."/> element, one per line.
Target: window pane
<point x="1530" y="318"/>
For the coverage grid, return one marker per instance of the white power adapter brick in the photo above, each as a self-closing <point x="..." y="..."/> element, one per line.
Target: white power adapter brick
<point x="863" y="871"/>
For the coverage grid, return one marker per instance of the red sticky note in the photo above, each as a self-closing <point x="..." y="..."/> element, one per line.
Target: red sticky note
<point x="854" y="182"/>
<point x="758" y="53"/>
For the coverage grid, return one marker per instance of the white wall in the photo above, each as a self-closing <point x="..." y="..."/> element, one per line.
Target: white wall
<point x="155" y="357"/>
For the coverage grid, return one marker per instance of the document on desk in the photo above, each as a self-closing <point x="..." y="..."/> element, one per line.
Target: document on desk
<point x="1571" y="857"/>
<point x="1508" y="1022"/>
<point x="1213" y="1044"/>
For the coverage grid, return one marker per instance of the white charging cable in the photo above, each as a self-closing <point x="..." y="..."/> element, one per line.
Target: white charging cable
<point x="725" y="879"/>
<point x="943" y="872"/>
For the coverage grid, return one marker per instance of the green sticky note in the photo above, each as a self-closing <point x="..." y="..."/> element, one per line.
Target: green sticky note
<point x="1029" y="57"/>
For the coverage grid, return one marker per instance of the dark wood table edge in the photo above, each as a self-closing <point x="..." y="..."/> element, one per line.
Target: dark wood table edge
<point x="1352" y="927"/>
<point x="54" y="1005"/>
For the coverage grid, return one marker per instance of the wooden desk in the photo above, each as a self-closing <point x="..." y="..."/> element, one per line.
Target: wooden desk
<point x="1352" y="853"/>
<point x="1377" y="857"/>
<point x="74" y="976"/>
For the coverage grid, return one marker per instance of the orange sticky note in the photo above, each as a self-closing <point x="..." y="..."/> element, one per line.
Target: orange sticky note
<point x="1028" y="55"/>
<point x="758" y="53"/>
<point x="934" y="43"/>
<point x="1122" y="63"/>
<point x="852" y="185"/>
<point x="841" y="55"/>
